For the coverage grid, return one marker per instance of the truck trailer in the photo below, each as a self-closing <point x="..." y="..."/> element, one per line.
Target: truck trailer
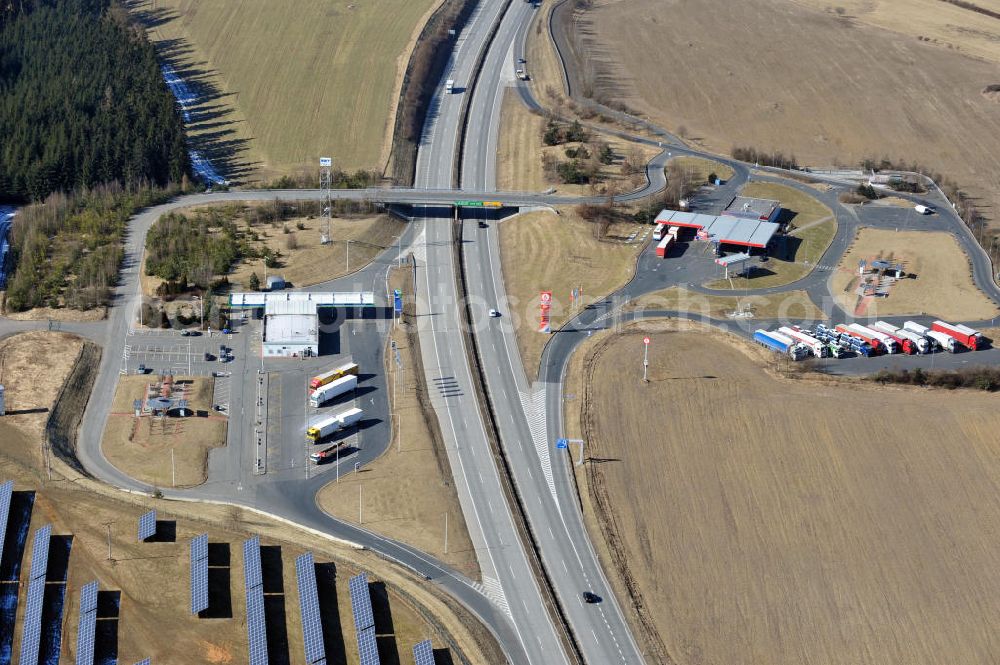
<point x="659" y="232"/>
<point x="818" y="348"/>
<point x="946" y="342"/>
<point x="321" y="456"/>
<point x="907" y="343"/>
<point x="919" y="342"/>
<point x="964" y="335"/>
<point x="664" y="246"/>
<point x="780" y="343"/>
<point x="333" y="375"/>
<point x="888" y="342"/>
<point x="336" y="388"/>
<point x="331" y="424"/>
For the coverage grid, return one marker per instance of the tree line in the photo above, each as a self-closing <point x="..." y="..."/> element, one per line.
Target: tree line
<point x="82" y="101"/>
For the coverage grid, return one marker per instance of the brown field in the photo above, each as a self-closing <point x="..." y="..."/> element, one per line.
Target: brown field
<point x="284" y="77"/>
<point x="813" y="229"/>
<point x="520" y="152"/>
<point x="409" y="489"/>
<point x="541" y="251"/>
<point x="774" y="525"/>
<point x="943" y="286"/>
<point x="825" y="88"/>
<point x="153" y="615"/>
<point x="145" y="448"/>
<point x="789" y="305"/>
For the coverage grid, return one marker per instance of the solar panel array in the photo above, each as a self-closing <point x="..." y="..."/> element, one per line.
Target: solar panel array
<point x="199" y="573"/>
<point x="147" y="526"/>
<point x="6" y="490"/>
<point x="87" y="625"/>
<point x="256" y="626"/>
<point x="144" y="661"/>
<point x="423" y="653"/>
<point x="312" y="624"/>
<point x="364" y="619"/>
<point x="32" y="627"/>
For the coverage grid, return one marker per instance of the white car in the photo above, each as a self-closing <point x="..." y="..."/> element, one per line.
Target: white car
<point x="494" y="314"/>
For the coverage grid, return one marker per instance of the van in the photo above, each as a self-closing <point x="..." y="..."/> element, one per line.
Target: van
<point x="449" y="86"/>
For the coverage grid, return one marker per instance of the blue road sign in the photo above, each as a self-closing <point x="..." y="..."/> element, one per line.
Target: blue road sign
<point x="397" y="301"/>
<point x="562" y="443"/>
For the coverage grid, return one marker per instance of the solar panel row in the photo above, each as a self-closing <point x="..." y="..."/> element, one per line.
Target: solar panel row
<point x="144" y="661"/>
<point x="367" y="646"/>
<point x="423" y="653"/>
<point x="199" y="573"/>
<point x="40" y="552"/>
<point x="32" y="626"/>
<point x="87" y="625"/>
<point x="147" y="526"/>
<point x="312" y="624"/>
<point x="6" y="490"/>
<point x="256" y="626"/>
<point x="361" y="602"/>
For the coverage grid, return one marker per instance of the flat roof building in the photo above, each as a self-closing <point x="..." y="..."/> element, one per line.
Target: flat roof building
<point x="764" y="210"/>
<point x="723" y="229"/>
<point x="291" y="319"/>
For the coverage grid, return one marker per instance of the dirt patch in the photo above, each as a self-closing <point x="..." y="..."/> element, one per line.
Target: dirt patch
<point x="408" y="490"/>
<point x="542" y="251"/>
<point x="59" y="314"/>
<point x="834" y="528"/>
<point x="896" y="78"/>
<point x="943" y="285"/>
<point x="163" y="451"/>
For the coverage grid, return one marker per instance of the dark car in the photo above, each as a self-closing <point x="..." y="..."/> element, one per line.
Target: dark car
<point x="589" y="597"/>
<point x="209" y="357"/>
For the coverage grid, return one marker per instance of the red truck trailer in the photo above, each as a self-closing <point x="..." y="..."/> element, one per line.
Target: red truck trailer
<point x="964" y="335"/>
<point x="664" y="246"/>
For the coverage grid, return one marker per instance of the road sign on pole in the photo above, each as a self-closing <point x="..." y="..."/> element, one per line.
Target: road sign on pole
<point x="562" y="443"/>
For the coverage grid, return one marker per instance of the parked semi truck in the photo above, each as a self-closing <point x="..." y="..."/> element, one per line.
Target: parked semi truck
<point x="946" y="342"/>
<point x="331" y="424"/>
<point x="780" y="343"/>
<point x="917" y="329"/>
<point x="964" y="335"/>
<point x="910" y="342"/>
<point x="321" y="456"/>
<point x="861" y="333"/>
<point x="659" y="232"/>
<point x="664" y="246"/>
<point x="887" y="342"/>
<point x="334" y="374"/>
<point x="336" y="388"/>
<point x="816" y="347"/>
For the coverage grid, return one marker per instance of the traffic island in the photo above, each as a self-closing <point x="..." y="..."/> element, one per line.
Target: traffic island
<point x="161" y="429"/>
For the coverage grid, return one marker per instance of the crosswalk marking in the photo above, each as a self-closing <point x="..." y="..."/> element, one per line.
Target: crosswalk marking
<point x="533" y="404"/>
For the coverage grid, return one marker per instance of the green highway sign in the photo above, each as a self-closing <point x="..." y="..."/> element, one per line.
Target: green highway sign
<point x="469" y="204"/>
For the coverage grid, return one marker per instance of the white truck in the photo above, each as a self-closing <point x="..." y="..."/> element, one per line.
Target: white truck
<point x="327" y="426"/>
<point x="922" y="331"/>
<point x="923" y="210"/>
<point x="325" y="393"/>
<point x="946" y="342"/>
<point x="818" y="348"/>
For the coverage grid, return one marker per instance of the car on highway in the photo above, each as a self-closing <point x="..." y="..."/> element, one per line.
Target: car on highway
<point x="494" y="314"/>
<point x="141" y="369"/>
<point x="590" y="597"/>
<point x="209" y="357"/>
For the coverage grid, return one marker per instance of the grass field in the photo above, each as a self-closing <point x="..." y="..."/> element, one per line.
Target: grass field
<point x="146" y="448"/>
<point x="814" y="230"/>
<point x="789" y="305"/>
<point x="700" y="168"/>
<point x="943" y="286"/>
<point x="541" y="251"/>
<point x="409" y="489"/>
<point x="775" y="529"/>
<point x="825" y="88"/>
<point x="520" y="155"/>
<point x="290" y="82"/>
<point x="151" y="578"/>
